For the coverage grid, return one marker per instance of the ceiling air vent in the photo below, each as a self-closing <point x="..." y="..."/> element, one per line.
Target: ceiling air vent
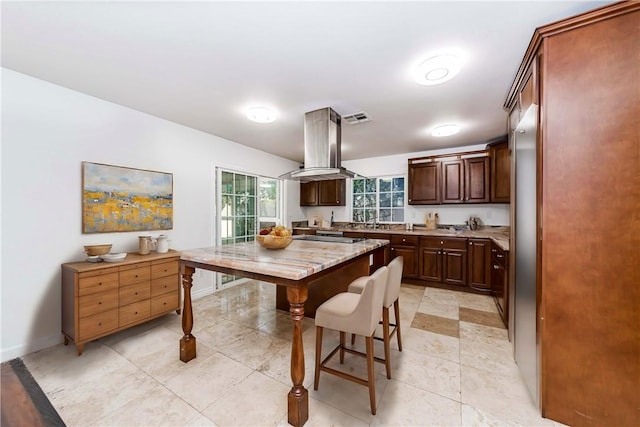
<point x="355" y="118"/>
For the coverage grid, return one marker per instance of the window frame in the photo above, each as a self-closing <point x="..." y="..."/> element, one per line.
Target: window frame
<point x="366" y="216"/>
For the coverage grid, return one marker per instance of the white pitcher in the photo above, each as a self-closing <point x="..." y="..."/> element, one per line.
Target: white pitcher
<point x="162" y="244"/>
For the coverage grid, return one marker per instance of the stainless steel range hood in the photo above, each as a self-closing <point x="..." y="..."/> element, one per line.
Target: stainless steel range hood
<point x="322" y="139"/>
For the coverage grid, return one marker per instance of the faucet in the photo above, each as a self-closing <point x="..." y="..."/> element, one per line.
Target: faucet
<point x="374" y="221"/>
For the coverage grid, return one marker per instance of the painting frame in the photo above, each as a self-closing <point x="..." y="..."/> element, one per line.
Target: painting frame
<point x="123" y="199"/>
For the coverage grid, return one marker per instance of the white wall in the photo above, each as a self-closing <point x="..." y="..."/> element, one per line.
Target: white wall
<point x="47" y="131"/>
<point x="489" y="214"/>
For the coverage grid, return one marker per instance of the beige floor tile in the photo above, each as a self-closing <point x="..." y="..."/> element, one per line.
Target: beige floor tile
<point x="429" y="373"/>
<point x="441" y="296"/>
<point x="165" y="363"/>
<point x="159" y="407"/>
<point x="200" y="421"/>
<point x="503" y="397"/>
<point x="432" y="344"/>
<point x="427" y="306"/>
<point x="496" y="357"/>
<point x="406" y="405"/>
<point x="253" y="348"/>
<point x="202" y="384"/>
<point x="480" y="317"/>
<point x="322" y="415"/>
<point x="481" y="333"/>
<point x="477" y="302"/>
<point x="256" y="400"/>
<point x="134" y="347"/>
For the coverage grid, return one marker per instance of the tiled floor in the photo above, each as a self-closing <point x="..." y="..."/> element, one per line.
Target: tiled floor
<point x="456" y="368"/>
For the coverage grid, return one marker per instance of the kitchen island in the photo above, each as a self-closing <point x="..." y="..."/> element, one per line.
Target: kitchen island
<point x="304" y="268"/>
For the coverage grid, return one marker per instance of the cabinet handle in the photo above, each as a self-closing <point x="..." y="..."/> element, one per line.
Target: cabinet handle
<point x="495" y="267"/>
<point x="99" y="323"/>
<point x="470" y="243"/>
<point x="135" y="312"/>
<point x="441" y="242"/>
<point x="99" y="302"/>
<point x="500" y="256"/>
<point x="393" y="249"/>
<point x="136" y="293"/>
<point x="404" y="240"/>
<point x="494" y="251"/>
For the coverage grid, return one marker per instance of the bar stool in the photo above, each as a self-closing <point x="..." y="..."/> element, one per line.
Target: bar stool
<point x="355" y="314"/>
<point x="394" y="279"/>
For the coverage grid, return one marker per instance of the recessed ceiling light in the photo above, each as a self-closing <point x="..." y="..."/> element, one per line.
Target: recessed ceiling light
<point x="445" y="130"/>
<point x="438" y="69"/>
<point x="261" y="114"/>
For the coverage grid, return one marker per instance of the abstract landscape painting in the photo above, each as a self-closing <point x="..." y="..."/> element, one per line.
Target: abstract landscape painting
<point x="116" y="198"/>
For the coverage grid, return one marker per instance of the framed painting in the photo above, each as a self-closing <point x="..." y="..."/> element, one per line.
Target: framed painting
<point x="117" y="198"/>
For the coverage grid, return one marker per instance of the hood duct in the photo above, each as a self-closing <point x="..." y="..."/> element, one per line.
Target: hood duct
<point x="322" y="145"/>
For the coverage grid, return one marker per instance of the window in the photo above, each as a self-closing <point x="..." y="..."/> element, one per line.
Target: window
<point x="380" y="199"/>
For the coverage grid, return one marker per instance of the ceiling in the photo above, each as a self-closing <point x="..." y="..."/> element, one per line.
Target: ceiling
<point x="201" y="64"/>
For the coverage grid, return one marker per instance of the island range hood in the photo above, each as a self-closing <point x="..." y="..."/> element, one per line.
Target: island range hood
<point x="322" y="134"/>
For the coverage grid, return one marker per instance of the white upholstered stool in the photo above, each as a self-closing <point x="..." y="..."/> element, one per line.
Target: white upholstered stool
<point x="355" y="314"/>
<point x="392" y="292"/>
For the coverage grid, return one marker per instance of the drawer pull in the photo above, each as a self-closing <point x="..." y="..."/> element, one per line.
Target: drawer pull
<point x="441" y="242"/>
<point x="99" y="323"/>
<point x="99" y="302"/>
<point x="500" y="256"/>
<point x="136" y="293"/>
<point x="135" y="312"/>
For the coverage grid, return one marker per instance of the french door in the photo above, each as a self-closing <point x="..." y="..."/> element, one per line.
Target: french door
<point x="246" y="203"/>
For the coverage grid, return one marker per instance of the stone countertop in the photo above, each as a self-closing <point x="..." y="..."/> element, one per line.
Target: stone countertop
<point x="499" y="235"/>
<point x="298" y="260"/>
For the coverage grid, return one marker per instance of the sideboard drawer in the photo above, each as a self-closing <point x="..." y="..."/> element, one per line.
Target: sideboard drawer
<point x="99" y="283"/>
<point x="165" y="303"/>
<point x="164" y="269"/>
<point x="135" y="275"/>
<point x="164" y="285"/>
<point x="134" y="313"/>
<point x="97" y="303"/>
<point x="133" y="293"/>
<point x="97" y="324"/>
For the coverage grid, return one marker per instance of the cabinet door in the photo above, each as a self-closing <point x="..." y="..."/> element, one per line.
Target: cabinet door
<point x="477" y="177"/>
<point x="479" y="264"/>
<point x="430" y="264"/>
<point x="500" y="173"/>
<point x="331" y="192"/>
<point x="453" y="181"/>
<point x="424" y="183"/>
<point x="309" y="193"/>
<point x="410" y="259"/>
<point x="454" y="267"/>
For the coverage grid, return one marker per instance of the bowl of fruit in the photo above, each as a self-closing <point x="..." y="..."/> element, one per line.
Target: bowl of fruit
<point x="277" y="237"/>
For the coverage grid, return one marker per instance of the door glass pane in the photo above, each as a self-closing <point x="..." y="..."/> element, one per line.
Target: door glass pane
<point x="370" y="185"/>
<point x="240" y="184"/>
<point x="227" y="183"/>
<point x="385" y="184"/>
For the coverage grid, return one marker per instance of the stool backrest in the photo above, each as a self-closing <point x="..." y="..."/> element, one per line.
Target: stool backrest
<point x="372" y="298"/>
<point x="394" y="279"/>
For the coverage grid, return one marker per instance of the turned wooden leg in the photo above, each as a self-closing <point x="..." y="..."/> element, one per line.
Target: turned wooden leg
<point x="386" y="340"/>
<point x="298" y="398"/>
<point x="188" y="341"/>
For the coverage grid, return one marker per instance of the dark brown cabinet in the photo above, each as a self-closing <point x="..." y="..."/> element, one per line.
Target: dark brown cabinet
<point x="479" y="266"/>
<point x="443" y="260"/>
<point x="323" y="193"/>
<point x="407" y="247"/>
<point x="424" y="182"/>
<point x="500" y="171"/>
<point x="466" y="180"/>
<point x="500" y="280"/>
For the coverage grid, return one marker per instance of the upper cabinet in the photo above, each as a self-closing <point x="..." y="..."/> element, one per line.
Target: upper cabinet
<point x="323" y="193"/>
<point x="424" y="182"/>
<point x="454" y="178"/>
<point x="500" y="172"/>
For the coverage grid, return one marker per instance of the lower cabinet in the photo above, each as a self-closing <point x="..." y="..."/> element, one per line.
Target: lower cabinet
<point x="443" y="260"/>
<point x="479" y="266"/>
<point x="408" y="248"/>
<point x="99" y="299"/>
<point x="500" y="281"/>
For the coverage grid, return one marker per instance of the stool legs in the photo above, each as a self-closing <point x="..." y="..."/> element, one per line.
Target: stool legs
<point x="385" y="332"/>
<point x="371" y="375"/>
<point x="316" y="378"/>
<point x="396" y="309"/>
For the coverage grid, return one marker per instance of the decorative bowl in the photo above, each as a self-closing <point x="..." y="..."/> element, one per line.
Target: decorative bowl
<point x="114" y="257"/>
<point x="94" y="250"/>
<point x="270" y="241"/>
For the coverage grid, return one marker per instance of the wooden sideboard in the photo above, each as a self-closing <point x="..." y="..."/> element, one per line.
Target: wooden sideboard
<point x="99" y="299"/>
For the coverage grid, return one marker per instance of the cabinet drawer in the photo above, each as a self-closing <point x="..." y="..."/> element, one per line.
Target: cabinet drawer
<point x="431" y="242"/>
<point x="164" y="269"/>
<point x="98" y="283"/>
<point x="455" y="244"/>
<point x="404" y="240"/>
<point x="164" y="285"/>
<point x="97" y="324"/>
<point x="165" y="303"/>
<point x="134" y="313"/>
<point x="133" y="293"/>
<point x="96" y="303"/>
<point x="135" y="275"/>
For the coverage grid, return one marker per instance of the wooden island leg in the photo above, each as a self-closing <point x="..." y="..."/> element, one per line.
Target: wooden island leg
<point x="298" y="398"/>
<point x="188" y="341"/>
